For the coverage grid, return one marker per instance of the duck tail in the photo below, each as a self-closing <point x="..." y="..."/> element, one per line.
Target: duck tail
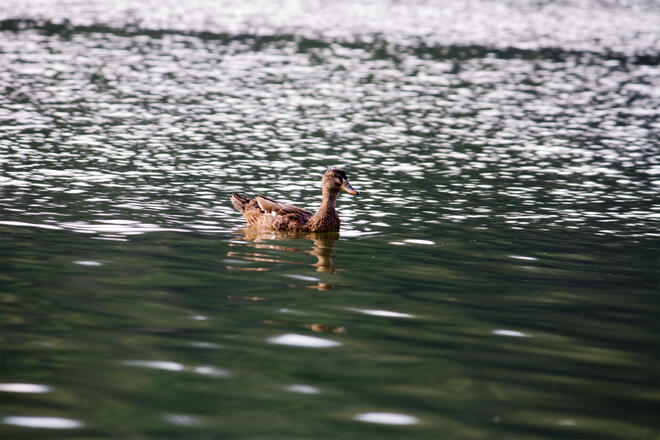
<point x="239" y="201"/>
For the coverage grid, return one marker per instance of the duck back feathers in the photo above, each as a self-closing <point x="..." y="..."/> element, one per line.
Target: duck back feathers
<point x="265" y="213"/>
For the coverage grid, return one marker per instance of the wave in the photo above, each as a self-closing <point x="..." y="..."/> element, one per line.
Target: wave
<point x="377" y="45"/>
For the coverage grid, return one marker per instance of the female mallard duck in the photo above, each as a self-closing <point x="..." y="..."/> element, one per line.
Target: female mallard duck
<point x="264" y="213"/>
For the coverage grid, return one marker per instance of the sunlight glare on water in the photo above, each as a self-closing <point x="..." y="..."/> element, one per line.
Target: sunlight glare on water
<point x="499" y="122"/>
<point x="387" y="418"/>
<point x="24" y="388"/>
<point x="496" y="277"/>
<point x="42" y="422"/>
<point x="303" y="341"/>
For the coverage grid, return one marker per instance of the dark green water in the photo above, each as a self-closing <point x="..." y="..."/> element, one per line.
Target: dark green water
<point x="497" y="277"/>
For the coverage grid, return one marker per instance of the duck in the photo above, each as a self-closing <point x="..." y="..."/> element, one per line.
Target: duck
<point x="265" y="213"/>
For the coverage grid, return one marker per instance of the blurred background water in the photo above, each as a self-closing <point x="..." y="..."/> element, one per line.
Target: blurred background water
<point x="496" y="278"/>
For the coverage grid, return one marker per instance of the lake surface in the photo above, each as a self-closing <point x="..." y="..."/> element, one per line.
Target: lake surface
<point x="497" y="277"/>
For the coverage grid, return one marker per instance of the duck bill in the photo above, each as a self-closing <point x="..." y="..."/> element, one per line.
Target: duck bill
<point x="346" y="186"/>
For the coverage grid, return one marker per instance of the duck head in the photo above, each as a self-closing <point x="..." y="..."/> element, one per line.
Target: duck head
<point x="334" y="180"/>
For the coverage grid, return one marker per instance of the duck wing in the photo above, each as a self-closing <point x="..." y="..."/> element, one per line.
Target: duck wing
<point x="268" y="214"/>
<point x="275" y="208"/>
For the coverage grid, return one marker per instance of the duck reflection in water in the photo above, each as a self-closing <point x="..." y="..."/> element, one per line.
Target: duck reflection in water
<point x="323" y="246"/>
<point x="257" y="246"/>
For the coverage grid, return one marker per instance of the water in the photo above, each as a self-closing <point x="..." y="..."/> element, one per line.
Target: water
<point x="497" y="277"/>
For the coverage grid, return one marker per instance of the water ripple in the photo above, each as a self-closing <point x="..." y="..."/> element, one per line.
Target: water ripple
<point x="386" y="418"/>
<point x="297" y="340"/>
<point x="42" y="422"/>
<point x="24" y="388"/>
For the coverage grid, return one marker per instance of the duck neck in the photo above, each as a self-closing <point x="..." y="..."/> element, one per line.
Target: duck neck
<point x="326" y="218"/>
<point x="328" y="203"/>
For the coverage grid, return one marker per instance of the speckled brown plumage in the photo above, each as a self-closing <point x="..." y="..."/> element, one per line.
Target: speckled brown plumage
<point x="268" y="214"/>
